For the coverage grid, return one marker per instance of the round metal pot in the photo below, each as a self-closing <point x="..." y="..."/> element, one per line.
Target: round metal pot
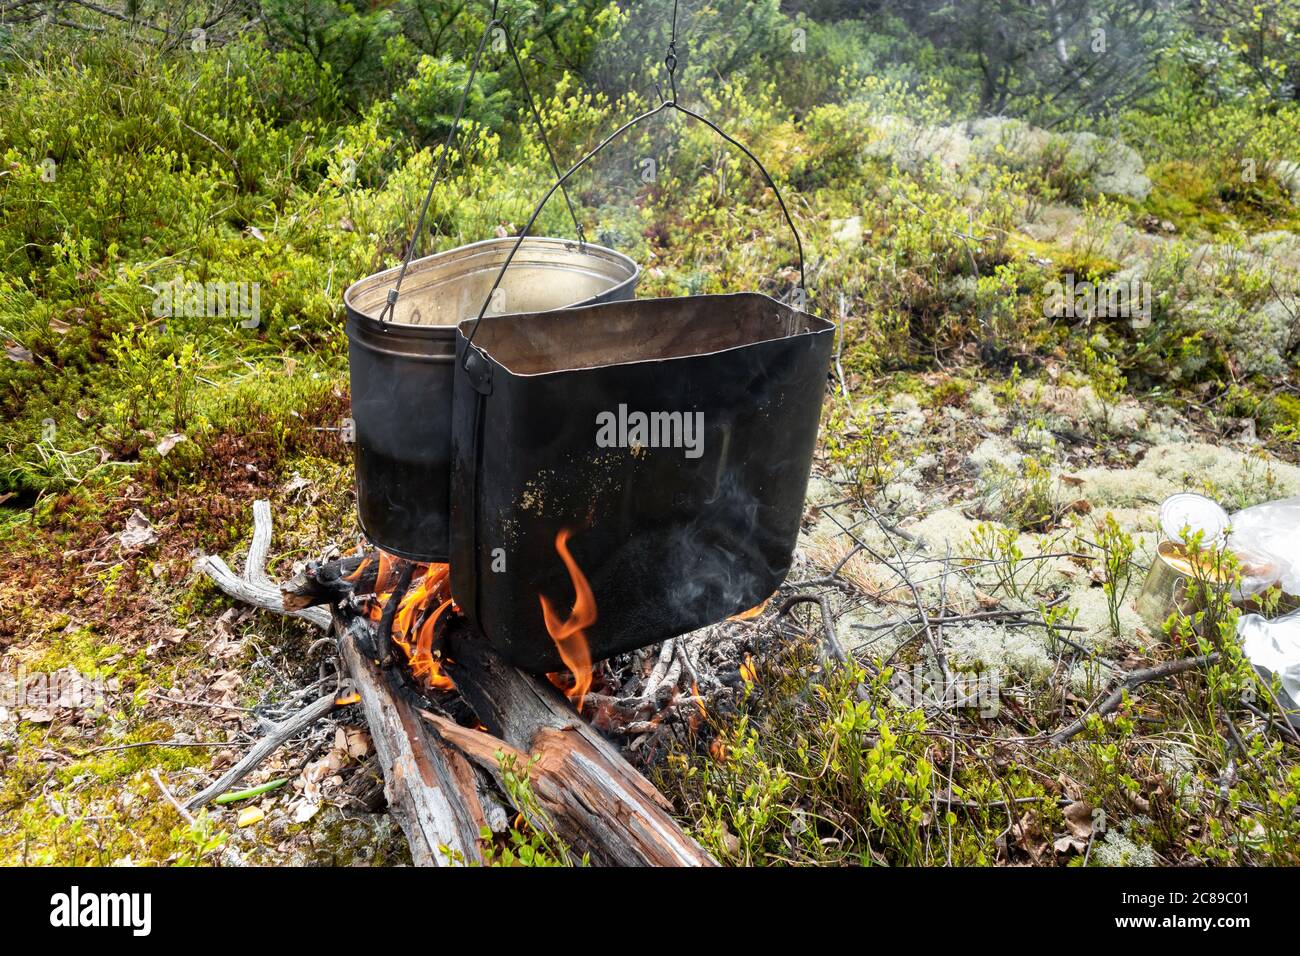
<point x="401" y="369"/>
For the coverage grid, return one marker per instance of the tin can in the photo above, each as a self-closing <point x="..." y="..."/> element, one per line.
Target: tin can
<point x="1192" y="513"/>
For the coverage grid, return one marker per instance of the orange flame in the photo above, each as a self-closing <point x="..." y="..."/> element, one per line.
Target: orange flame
<point x="568" y="634"/>
<point x="752" y="613"/>
<point x="699" y="701"/>
<point x="748" y="672"/>
<point x="414" y="637"/>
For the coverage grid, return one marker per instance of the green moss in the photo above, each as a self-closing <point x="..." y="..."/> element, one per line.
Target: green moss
<point x="1081" y="264"/>
<point x="1283" y="409"/>
<point x="1204" y="200"/>
<point x="950" y="391"/>
<point x="82" y="649"/>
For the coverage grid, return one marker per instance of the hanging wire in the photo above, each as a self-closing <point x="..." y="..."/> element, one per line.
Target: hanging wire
<point x="559" y="184"/>
<point x="493" y="22"/>
<point x="670" y="61"/>
<point x="541" y="129"/>
<point x="442" y="159"/>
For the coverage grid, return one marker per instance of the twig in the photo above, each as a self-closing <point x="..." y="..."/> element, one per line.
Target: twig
<point x="260" y="548"/>
<point x="831" y="644"/>
<point x="1133" y="680"/>
<point x="935" y="640"/>
<point x="110" y="748"/>
<point x="660" y="671"/>
<point x="268" y="599"/>
<point x="264" y="748"/>
<point x="189" y="817"/>
<point x="199" y="703"/>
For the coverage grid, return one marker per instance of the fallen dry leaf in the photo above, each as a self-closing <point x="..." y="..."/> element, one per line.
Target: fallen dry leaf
<point x="1078" y="817"/>
<point x="138" y="533"/>
<point x="168" y="443"/>
<point x="16" y="353"/>
<point x="1067" y="844"/>
<point x="358" y="743"/>
<point x="300" y="811"/>
<point x="250" y="815"/>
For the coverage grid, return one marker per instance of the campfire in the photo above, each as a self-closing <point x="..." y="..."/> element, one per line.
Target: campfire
<point x="413" y="627"/>
<point x="451" y="719"/>
<point x="425" y="612"/>
<point x="445" y="711"/>
<point x="426" y="609"/>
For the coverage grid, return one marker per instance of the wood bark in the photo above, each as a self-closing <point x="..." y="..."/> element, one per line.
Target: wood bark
<point x="598" y="803"/>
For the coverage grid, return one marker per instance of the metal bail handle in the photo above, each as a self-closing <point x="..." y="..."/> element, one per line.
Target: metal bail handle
<point x="559" y="184"/>
<point x="494" y="22"/>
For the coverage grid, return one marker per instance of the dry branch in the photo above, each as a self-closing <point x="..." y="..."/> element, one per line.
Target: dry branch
<point x="1133" y="680"/>
<point x="268" y="745"/>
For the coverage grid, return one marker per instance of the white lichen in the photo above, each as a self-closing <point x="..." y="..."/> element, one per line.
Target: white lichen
<point x="1117" y="849"/>
<point x="1235" y="479"/>
<point x="1001" y="650"/>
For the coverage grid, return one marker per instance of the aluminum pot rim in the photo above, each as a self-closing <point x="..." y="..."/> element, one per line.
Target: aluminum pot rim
<point x="630" y="266"/>
<point x="818" y="326"/>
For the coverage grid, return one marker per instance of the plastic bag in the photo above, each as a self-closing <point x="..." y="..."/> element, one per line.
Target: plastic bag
<point x="1266" y="539"/>
<point x="1274" y="648"/>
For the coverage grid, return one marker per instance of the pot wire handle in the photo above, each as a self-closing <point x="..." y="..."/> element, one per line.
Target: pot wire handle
<point x="391" y="302"/>
<point x="667" y="104"/>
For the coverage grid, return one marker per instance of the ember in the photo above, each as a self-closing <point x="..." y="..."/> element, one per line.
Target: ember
<point x="752" y="613"/>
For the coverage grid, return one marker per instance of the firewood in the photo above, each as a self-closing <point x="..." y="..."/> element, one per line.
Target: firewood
<point x="328" y="582"/>
<point x="432" y="791"/>
<point x="599" y="803"/>
<point x="593" y="807"/>
<point x="434" y="769"/>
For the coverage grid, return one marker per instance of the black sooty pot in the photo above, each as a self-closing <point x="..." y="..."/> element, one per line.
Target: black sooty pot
<point x="401" y="369"/>
<point x="670" y="438"/>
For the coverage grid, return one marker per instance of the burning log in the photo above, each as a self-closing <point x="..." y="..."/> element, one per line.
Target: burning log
<point x="329" y="582"/>
<point x="597" y="801"/>
<point x="431" y="789"/>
